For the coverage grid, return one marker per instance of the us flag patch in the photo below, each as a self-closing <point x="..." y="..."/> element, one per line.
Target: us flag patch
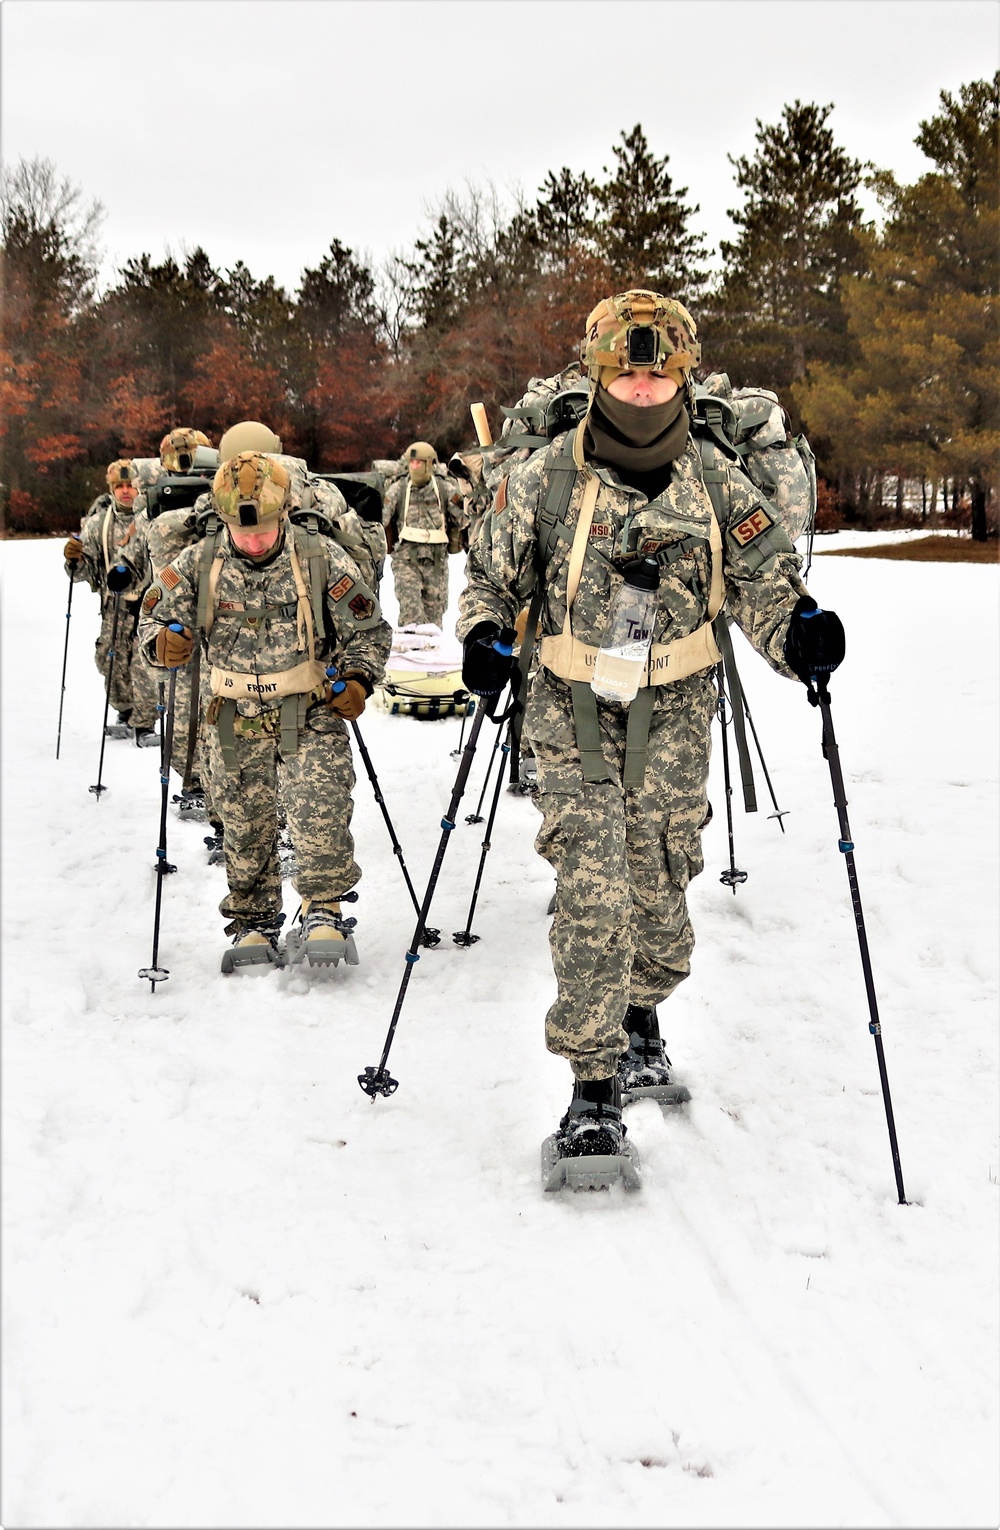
<point x="754" y="526"/>
<point x="170" y="577"/>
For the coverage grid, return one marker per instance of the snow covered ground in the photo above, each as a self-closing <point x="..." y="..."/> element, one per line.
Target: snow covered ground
<point x="238" y="1293"/>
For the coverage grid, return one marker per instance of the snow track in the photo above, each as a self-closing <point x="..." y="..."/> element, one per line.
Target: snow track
<point x="237" y="1292"/>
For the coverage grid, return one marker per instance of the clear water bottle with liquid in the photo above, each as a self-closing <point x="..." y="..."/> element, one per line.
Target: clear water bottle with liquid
<point x="624" y="651"/>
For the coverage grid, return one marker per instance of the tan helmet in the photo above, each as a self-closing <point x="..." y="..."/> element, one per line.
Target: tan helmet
<point x="640" y="329"/>
<point x="121" y="473"/>
<point x="177" y="450"/>
<point x="248" y="436"/>
<point x="420" y="459"/>
<point x="250" y="490"/>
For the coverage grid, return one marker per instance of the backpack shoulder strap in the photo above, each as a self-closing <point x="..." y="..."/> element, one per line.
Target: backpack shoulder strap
<point x="308" y="543"/>
<point x="206" y="570"/>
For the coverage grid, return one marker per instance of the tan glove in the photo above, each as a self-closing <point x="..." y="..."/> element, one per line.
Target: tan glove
<point x="73" y="550"/>
<point x="350" y="702"/>
<point x="174" y="648"/>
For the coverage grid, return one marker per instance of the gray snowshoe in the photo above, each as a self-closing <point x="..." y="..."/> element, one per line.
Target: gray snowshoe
<point x="322" y="937"/>
<point x="190" y="803"/>
<point x="146" y="738"/>
<point x="255" y="944"/>
<point x="216" y="846"/>
<point x="644" y="1070"/>
<point x="590" y="1151"/>
<point x="119" y="729"/>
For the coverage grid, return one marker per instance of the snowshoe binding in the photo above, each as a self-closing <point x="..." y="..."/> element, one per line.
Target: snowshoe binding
<point x="322" y="937"/>
<point x="119" y="729"/>
<point x="146" y="738"/>
<point x="215" y="844"/>
<point x="590" y="1150"/>
<point x="644" y="1070"/>
<point x="255" y="943"/>
<point x="190" y="804"/>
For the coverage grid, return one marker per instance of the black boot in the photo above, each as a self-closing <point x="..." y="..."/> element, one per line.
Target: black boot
<point x="593" y="1122"/>
<point x="644" y="1069"/>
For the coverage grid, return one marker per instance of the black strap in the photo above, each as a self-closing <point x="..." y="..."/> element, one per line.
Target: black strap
<point x="737" y="707"/>
<point x="194" y="716"/>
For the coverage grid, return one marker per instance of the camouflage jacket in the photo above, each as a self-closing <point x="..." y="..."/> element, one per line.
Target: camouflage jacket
<point x="256" y="628"/>
<point x="433" y="506"/>
<point x="760" y="566"/>
<point x="107" y="530"/>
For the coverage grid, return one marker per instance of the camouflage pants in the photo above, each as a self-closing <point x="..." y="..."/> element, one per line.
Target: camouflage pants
<point x="145" y="680"/>
<point x="420" y="577"/>
<point x="316" y="783"/>
<point x="124" y="635"/>
<point x="623" y="859"/>
<point x="182" y="722"/>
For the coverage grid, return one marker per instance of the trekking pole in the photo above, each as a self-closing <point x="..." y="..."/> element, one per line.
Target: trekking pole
<point x="155" y="973"/>
<point x="470" y="706"/>
<point x="730" y="877"/>
<point x="465" y="937"/>
<point x="98" y="789"/>
<point x="62" y="685"/>
<point x="477" y="816"/>
<point x="779" y="813"/>
<point x="819" y="695"/>
<point x="376" y="1081"/>
<point x="430" y="937"/>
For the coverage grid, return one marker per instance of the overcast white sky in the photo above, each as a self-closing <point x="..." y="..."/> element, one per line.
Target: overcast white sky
<point x="261" y="129"/>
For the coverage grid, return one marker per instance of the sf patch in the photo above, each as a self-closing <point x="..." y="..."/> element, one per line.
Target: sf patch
<point x="340" y="589"/>
<point x="170" y="577"/>
<point x="753" y="527"/>
<point x="153" y="595"/>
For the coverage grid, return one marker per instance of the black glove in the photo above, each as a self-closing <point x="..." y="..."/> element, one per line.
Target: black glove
<point x="815" y="642"/>
<point x="119" y="578"/>
<point x="488" y="663"/>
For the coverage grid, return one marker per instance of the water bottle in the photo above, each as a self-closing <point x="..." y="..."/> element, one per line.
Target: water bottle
<point x="624" y="651"/>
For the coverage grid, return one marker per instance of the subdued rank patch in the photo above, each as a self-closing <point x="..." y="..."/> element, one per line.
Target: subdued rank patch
<point x="152" y="596"/>
<point x="601" y="530"/>
<point x="170" y="577"/>
<point x="362" y="607"/>
<point x="500" y="499"/>
<point x="754" y="526"/>
<point x="340" y="589"/>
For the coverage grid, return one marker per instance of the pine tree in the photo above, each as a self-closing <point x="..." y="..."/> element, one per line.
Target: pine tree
<point x="642" y="225"/>
<point x="777" y="308"/>
<point x="563" y="216"/>
<point x="923" y="396"/>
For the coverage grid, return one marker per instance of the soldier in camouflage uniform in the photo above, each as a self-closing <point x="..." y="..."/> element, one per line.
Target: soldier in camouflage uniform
<point x="622" y="788"/>
<point x="274" y="605"/>
<point x="424" y="518"/>
<point x="102" y="555"/>
<point x="178" y="451"/>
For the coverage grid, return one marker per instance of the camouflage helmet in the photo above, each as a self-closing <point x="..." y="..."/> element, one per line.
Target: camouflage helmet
<point x="250" y="490"/>
<point x="121" y="473"/>
<point x="248" y="436"/>
<point x="178" y="448"/>
<point x="640" y="329"/>
<point x="422" y="451"/>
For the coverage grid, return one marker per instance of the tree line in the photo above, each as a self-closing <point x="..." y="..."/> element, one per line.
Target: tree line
<point x="879" y="336"/>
